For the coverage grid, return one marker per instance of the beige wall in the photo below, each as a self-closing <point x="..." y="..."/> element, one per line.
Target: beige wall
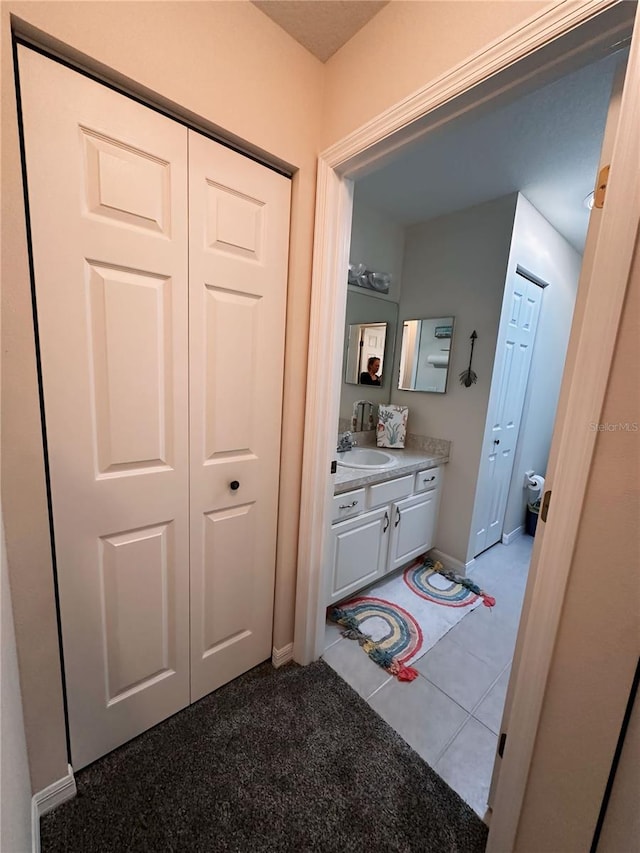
<point x="15" y="786"/>
<point x="599" y="638"/>
<point x="230" y="65"/>
<point x="407" y="44"/>
<point x="456" y="265"/>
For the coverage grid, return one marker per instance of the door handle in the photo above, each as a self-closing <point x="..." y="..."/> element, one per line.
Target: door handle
<point x="386" y="518"/>
<point x="397" y="521"/>
<point x="496" y="441"/>
<point x="234" y="485"/>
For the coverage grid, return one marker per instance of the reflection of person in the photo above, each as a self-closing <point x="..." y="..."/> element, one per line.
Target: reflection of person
<point x="369" y="376"/>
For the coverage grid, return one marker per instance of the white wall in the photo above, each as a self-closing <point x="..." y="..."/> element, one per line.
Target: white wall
<point x="377" y="241"/>
<point x="15" y="787"/>
<point x="455" y="265"/>
<point x="540" y="249"/>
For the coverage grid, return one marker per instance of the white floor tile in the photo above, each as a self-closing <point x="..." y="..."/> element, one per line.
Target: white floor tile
<point x="421" y="713"/>
<point x="489" y="711"/>
<point x="466" y="671"/>
<point x="467" y="764"/>
<point x="487" y="634"/>
<point x="356" y="667"/>
<point x="457" y="672"/>
<point x="332" y="633"/>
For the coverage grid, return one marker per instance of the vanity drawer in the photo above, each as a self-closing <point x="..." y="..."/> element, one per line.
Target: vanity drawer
<point x="392" y="490"/>
<point x="427" y="479"/>
<point x="347" y="504"/>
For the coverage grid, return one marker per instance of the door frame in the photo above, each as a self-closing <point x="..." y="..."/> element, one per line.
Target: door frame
<point x="562" y="34"/>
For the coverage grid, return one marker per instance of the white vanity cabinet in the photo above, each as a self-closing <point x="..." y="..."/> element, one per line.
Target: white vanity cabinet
<point x="398" y="526"/>
<point x="358" y="552"/>
<point x="412" y="527"/>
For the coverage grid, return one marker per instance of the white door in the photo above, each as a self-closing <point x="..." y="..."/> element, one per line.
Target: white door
<point x="239" y="221"/>
<point x="161" y="391"/>
<point x="516" y="336"/>
<point x="107" y="185"/>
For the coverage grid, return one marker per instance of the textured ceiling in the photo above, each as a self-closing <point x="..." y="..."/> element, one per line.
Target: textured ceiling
<point x="322" y="26"/>
<point x="545" y="145"/>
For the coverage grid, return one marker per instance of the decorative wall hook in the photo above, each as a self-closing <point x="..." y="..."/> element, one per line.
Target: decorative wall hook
<point x="468" y="376"/>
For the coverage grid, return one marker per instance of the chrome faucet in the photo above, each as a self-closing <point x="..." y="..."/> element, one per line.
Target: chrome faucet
<point x="345" y="442"/>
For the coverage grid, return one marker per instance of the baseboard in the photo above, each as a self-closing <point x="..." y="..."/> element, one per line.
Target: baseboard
<point x="282" y="656"/>
<point x="451" y="563"/>
<point x="50" y="797"/>
<point x="509" y="537"/>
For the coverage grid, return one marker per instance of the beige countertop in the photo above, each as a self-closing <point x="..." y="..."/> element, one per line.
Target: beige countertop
<point x="409" y="460"/>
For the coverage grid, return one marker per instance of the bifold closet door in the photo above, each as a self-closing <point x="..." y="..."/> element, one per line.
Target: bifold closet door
<point x="107" y="181"/>
<point x="238" y="250"/>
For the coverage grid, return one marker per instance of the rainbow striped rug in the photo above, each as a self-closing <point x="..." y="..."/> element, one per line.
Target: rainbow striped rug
<point x="403" y="617"/>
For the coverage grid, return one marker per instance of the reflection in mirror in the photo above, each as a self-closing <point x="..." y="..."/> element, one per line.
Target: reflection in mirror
<point x="424" y="358"/>
<point x="365" y="353"/>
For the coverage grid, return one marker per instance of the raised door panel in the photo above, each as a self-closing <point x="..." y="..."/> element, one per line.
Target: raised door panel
<point x="516" y="337"/>
<point x="239" y="220"/>
<point x="413" y="523"/>
<point x="359" y="553"/>
<point x="107" y="182"/>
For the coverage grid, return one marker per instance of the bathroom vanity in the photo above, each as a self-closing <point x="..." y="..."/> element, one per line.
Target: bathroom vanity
<point x="382" y="519"/>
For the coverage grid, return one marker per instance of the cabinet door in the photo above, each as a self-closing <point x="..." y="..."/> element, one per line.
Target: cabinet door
<point x="412" y="526"/>
<point x="359" y="552"/>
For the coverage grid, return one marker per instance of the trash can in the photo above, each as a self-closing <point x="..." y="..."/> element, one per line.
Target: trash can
<point x="531" y="520"/>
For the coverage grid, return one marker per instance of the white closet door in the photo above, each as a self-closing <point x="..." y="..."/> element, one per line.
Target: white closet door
<point x="238" y="247"/>
<point x="516" y="336"/>
<point x="108" y="196"/>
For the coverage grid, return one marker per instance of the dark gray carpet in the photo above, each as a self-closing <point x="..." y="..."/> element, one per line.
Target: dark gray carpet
<point x="279" y="760"/>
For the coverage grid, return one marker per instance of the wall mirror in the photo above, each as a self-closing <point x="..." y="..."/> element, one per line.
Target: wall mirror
<point x="425" y="354"/>
<point x="370" y="330"/>
<point x="371" y="324"/>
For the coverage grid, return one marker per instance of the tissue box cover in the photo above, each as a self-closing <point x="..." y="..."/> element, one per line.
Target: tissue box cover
<point x="392" y="426"/>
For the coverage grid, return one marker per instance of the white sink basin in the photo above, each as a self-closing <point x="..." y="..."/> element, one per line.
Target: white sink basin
<point x="366" y="457"/>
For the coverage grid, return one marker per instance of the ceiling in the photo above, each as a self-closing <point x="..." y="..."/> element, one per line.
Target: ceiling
<point x="322" y="26"/>
<point x="545" y="145"/>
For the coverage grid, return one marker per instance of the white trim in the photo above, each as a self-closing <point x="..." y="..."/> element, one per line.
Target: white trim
<point x="281" y="656"/>
<point x="50" y="797"/>
<point x="612" y="258"/>
<point x="451" y="563"/>
<point x="507" y="538"/>
<point x="558" y="19"/>
<point x="334" y="204"/>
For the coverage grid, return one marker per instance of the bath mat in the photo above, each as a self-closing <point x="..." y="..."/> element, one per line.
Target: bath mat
<point x="404" y="616"/>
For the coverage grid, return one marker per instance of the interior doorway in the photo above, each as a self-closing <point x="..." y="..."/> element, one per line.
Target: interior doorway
<point x="465" y="674"/>
<point x="340" y="199"/>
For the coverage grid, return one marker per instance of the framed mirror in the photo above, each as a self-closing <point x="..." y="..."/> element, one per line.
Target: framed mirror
<point x="425" y="354"/>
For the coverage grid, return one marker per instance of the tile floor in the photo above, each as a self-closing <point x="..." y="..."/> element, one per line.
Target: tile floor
<point x="451" y="713"/>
